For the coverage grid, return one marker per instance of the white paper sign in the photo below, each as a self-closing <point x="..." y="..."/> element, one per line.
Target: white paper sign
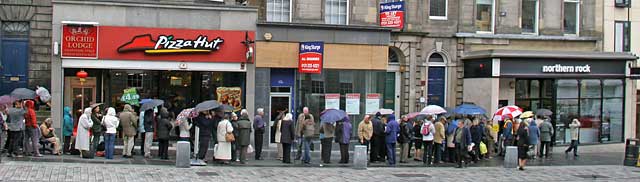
<point x="372" y="103"/>
<point x="353" y="104"/>
<point x="332" y="101"/>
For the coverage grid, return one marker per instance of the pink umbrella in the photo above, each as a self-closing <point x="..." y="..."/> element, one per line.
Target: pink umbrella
<point x="433" y="109"/>
<point x="512" y="111"/>
<point x="413" y="115"/>
<point x="6" y="100"/>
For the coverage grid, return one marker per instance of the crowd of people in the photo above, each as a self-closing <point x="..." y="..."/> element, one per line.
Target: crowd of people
<point x="432" y="139"/>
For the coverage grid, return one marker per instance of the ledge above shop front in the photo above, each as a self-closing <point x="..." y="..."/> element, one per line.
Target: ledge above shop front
<point x="339" y="34"/>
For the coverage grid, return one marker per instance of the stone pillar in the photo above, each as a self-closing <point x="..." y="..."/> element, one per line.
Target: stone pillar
<point x="412" y="77"/>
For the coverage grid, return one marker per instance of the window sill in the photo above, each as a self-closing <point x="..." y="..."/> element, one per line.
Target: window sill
<point x="437" y="18"/>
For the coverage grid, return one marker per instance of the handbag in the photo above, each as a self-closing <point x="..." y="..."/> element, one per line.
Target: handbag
<point x="229" y="137"/>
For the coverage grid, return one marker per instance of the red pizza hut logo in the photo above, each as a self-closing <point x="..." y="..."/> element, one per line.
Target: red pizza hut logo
<point x="169" y="44"/>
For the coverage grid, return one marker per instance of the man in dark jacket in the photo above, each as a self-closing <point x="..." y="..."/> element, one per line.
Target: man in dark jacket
<point x="205" y="122"/>
<point x="149" y="121"/>
<point x="258" y="135"/>
<point x="96" y="130"/>
<point x="404" y="139"/>
<point x="462" y="139"/>
<point x="287" y="137"/>
<point x="377" y="141"/>
<point x="329" y="132"/>
<point x="477" y="133"/>
<point x="164" y="127"/>
<point x="244" y="135"/>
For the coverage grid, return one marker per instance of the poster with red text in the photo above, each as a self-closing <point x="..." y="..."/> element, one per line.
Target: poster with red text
<point x="392" y="14"/>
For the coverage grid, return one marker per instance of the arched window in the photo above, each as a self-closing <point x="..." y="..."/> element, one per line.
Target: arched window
<point x="393" y="56"/>
<point x="436" y="58"/>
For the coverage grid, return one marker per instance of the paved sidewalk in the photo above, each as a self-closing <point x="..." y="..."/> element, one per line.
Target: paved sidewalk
<point x="33" y="171"/>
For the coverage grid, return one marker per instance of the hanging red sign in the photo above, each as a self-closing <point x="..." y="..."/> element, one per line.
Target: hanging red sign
<point x="392" y="14"/>
<point x="311" y="55"/>
<point x="79" y="41"/>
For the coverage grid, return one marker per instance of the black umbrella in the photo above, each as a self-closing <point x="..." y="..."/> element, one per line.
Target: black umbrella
<point x="207" y="105"/>
<point x="23" y="93"/>
<point x="151" y="104"/>
<point x="226" y="107"/>
<point x="544" y="112"/>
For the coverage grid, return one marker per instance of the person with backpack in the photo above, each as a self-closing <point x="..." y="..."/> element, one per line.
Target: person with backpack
<point x="404" y="139"/>
<point x="427" y="130"/>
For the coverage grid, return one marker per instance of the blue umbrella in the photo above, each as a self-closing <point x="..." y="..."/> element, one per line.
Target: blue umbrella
<point x="330" y="116"/>
<point x="469" y="109"/>
<point x="145" y="101"/>
<point x="151" y="104"/>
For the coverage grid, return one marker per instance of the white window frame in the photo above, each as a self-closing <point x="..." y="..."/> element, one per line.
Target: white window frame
<point x="619" y="42"/>
<point x="493" y="17"/>
<point x="536" y="25"/>
<point x="577" y="17"/>
<point x="346" y="13"/>
<point x="290" y="12"/>
<point x="446" y="11"/>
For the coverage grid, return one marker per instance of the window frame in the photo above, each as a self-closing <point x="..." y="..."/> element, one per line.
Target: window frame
<point x="493" y="17"/>
<point x="446" y="11"/>
<point x="625" y="39"/>
<point x="536" y="26"/>
<point x="624" y="4"/>
<point x="290" y="11"/>
<point x="346" y="13"/>
<point x="578" y="19"/>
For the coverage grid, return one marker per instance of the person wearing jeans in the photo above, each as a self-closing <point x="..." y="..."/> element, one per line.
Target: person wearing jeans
<point x="306" y="130"/>
<point x="391" y="130"/>
<point x="111" y="122"/>
<point x="149" y="120"/>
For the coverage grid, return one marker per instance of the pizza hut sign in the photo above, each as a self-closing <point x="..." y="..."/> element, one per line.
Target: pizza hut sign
<point x="171" y="44"/>
<point x="79" y="41"/>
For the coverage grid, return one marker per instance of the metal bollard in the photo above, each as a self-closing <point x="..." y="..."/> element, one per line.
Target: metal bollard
<point x="511" y="157"/>
<point x="360" y="157"/>
<point x="183" y="152"/>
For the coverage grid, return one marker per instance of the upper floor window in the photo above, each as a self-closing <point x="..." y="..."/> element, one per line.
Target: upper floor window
<point x="438" y="9"/>
<point x="279" y="10"/>
<point x="336" y="12"/>
<point x="571" y="16"/>
<point x="530" y="16"/>
<point x="623" y="3"/>
<point x="484" y="15"/>
<point x="622" y="36"/>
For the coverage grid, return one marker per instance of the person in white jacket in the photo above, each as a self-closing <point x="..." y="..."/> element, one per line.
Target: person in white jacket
<point x="574" y="128"/>
<point x="82" y="137"/>
<point x="428" y="130"/>
<point x="111" y="122"/>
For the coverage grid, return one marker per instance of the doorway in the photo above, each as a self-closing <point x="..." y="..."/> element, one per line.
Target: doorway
<point x="278" y="102"/>
<point x="79" y="95"/>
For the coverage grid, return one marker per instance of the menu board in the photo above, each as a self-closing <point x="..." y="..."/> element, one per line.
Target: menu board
<point x="353" y="104"/>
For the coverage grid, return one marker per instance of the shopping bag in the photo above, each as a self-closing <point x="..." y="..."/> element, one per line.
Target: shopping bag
<point x="250" y="149"/>
<point x="483" y="148"/>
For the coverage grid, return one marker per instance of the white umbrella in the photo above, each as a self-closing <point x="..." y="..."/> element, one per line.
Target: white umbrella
<point x="385" y="111"/>
<point x="433" y="109"/>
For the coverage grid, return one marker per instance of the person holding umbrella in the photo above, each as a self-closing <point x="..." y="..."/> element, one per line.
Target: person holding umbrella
<point x="328" y="119"/>
<point x="546" y="132"/>
<point x="205" y="121"/>
<point x="343" y="136"/>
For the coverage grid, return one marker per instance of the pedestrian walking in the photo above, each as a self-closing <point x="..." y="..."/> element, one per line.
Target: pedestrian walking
<point x="163" y="129"/>
<point x="129" y="123"/>
<point x="365" y="131"/>
<point x="67" y="130"/>
<point x="574" y="129"/>
<point x="404" y="139"/>
<point x="244" y="135"/>
<point x="463" y="143"/>
<point x="205" y="121"/>
<point x="83" y="136"/>
<point x="307" y="131"/>
<point x="286" y="137"/>
<point x="428" y="130"/>
<point x="438" y="139"/>
<point x="534" y="137"/>
<point x="523" y="144"/>
<point x="111" y="123"/>
<point x="48" y="134"/>
<point x="299" y="124"/>
<point x="546" y="132"/>
<point x="32" y="131"/>
<point x="378" y="141"/>
<point x="96" y="129"/>
<point x="392" y="129"/>
<point x="343" y="137"/>
<point x="258" y="135"/>
<point x="417" y="140"/>
<point x="328" y="131"/>
<point x="223" y="148"/>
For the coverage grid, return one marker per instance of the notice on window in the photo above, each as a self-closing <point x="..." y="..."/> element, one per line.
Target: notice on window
<point x="353" y="104"/>
<point x="331" y="101"/>
<point x="372" y="103"/>
<point x="130" y="96"/>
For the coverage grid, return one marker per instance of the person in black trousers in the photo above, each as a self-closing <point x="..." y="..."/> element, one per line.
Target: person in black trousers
<point x="329" y="132"/>
<point x="258" y="126"/>
<point x="378" y="149"/>
<point x="287" y="137"/>
<point x="205" y="122"/>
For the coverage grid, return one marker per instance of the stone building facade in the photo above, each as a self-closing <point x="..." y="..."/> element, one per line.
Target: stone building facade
<point x="26" y="44"/>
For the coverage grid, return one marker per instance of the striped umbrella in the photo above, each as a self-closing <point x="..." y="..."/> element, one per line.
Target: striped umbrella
<point x="511" y="111"/>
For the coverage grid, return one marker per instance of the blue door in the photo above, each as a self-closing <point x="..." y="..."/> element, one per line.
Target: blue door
<point x="436" y="86"/>
<point x="13" y="68"/>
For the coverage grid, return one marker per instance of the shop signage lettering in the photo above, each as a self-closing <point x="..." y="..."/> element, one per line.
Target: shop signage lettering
<point x="79" y="41"/>
<point x="392" y="14"/>
<point x="372" y="103"/>
<point x="558" y="68"/>
<point x="310" y="57"/>
<point x="170" y="44"/>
